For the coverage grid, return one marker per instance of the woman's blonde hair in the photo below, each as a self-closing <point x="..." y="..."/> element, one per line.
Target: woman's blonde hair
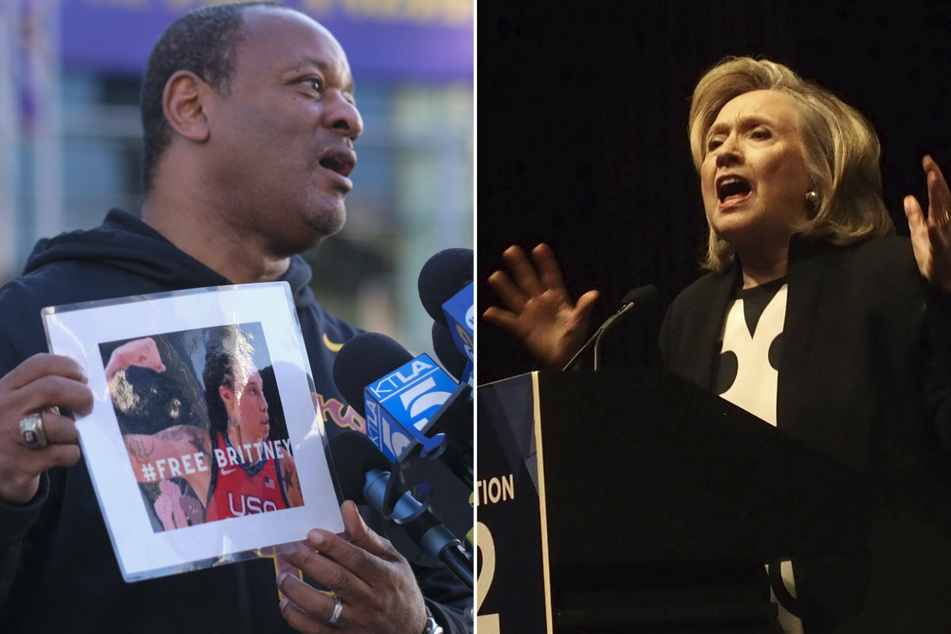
<point x="840" y="149"/>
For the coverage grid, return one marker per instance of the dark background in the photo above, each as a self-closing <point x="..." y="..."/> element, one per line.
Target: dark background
<point x="582" y="130"/>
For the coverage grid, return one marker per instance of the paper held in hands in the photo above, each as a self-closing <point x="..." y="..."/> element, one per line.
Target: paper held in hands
<point x="203" y="444"/>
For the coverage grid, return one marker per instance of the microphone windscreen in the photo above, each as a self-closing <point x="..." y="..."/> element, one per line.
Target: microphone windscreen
<point x="364" y="359"/>
<point x="354" y="454"/>
<point x="444" y="275"/>
<point x="641" y="295"/>
<point x="446" y="351"/>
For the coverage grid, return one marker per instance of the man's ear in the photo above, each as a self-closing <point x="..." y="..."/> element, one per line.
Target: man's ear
<point x="183" y="105"/>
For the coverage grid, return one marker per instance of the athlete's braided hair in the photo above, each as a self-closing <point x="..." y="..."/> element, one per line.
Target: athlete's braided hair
<point x="219" y="370"/>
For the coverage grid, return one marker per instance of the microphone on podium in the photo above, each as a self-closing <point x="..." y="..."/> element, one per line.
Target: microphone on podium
<point x="640" y="296"/>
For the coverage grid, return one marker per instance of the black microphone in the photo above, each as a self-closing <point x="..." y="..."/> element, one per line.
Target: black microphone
<point x="447" y="293"/>
<point x="453" y="361"/>
<point x="368" y="357"/>
<point x="634" y="298"/>
<point x="364" y="359"/>
<point x="444" y="275"/>
<point x="363" y="473"/>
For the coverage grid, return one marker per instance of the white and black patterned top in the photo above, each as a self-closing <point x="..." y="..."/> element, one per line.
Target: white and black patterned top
<point x="747" y="369"/>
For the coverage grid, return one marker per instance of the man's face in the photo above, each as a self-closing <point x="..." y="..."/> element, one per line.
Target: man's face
<point x="282" y="136"/>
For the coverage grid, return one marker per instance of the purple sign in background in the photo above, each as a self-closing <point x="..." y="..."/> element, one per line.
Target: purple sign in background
<point x="400" y="40"/>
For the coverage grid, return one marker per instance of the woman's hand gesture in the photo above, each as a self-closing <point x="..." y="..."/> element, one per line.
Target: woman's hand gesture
<point x="535" y="306"/>
<point x="931" y="235"/>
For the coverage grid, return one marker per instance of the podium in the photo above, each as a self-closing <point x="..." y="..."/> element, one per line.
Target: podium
<point x="632" y="501"/>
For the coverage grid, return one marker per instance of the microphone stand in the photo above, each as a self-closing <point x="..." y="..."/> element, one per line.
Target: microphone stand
<point x="595" y="339"/>
<point x="420" y="525"/>
<point x="417" y="488"/>
<point x="635" y="297"/>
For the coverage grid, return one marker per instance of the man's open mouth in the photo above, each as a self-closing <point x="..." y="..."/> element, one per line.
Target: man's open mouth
<point x="342" y="161"/>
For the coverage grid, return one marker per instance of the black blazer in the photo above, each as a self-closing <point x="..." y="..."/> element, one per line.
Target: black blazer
<point x="864" y="378"/>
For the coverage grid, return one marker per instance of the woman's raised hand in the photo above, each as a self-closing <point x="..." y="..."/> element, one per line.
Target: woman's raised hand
<point x="535" y="307"/>
<point x="931" y="235"/>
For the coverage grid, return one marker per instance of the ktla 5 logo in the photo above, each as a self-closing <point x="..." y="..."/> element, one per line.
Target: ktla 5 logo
<point x="401" y="377"/>
<point x="392" y="441"/>
<point x="422" y="397"/>
<point x="401" y="404"/>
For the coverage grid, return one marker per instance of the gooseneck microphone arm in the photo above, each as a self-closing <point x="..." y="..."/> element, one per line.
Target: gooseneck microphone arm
<point x="639" y="296"/>
<point x="596" y="337"/>
<point x="603" y="329"/>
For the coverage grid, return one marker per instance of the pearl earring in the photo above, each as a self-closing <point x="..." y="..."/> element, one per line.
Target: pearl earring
<point x="812" y="197"/>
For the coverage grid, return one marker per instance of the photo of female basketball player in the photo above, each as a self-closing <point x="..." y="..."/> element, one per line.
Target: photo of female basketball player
<point x="202" y="451"/>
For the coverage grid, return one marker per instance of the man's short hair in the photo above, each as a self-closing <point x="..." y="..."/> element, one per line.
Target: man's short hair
<point x="203" y="41"/>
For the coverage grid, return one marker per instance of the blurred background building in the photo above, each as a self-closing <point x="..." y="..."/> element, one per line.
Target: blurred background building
<point x="70" y="137"/>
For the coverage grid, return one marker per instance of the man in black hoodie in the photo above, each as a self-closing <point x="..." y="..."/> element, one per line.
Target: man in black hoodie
<point x="249" y="121"/>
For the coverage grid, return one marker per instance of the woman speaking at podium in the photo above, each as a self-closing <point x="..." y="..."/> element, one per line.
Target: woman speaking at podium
<point x="812" y="316"/>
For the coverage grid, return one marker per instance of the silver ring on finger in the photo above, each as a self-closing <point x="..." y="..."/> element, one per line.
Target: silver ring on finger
<point x="338" y="608"/>
<point x="31" y="430"/>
